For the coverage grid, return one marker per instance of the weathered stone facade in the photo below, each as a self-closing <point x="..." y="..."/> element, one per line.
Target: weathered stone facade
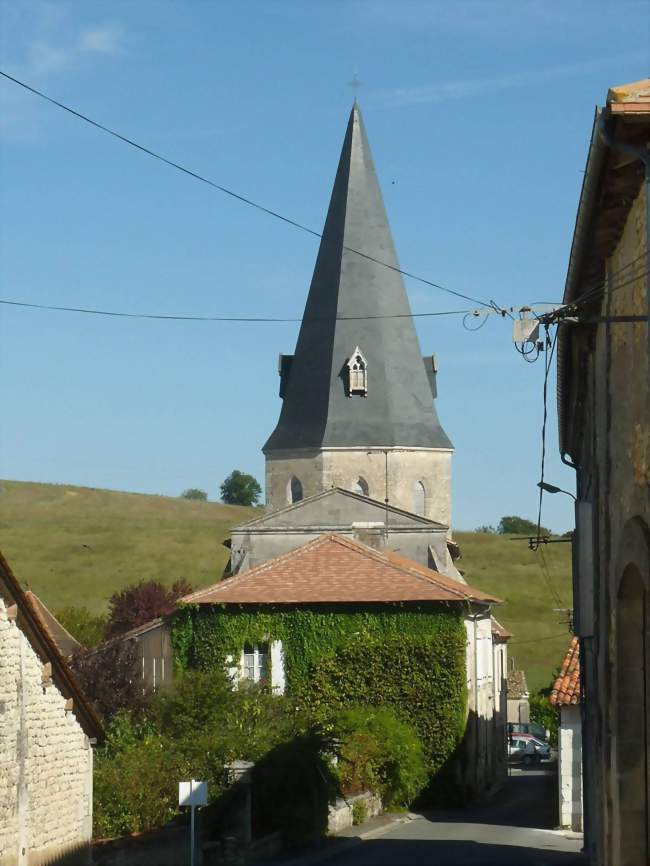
<point x="392" y="473"/>
<point x="604" y="406"/>
<point x="46" y="761"/>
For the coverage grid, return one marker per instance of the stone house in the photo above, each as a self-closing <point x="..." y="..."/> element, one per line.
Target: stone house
<point x="518" y="697"/>
<point x="604" y="431"/>
<point x="47" y="730"/>
<point x="343" y="578"/>
<point x="565" y="695"/>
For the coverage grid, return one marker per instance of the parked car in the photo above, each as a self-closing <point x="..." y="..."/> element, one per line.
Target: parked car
<point x="533" y="728"/>
<point x="542" y="748"/>
<point x="527" y="749"/>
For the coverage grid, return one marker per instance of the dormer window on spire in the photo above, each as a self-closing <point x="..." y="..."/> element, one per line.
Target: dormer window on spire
<point x="357" y="374"/>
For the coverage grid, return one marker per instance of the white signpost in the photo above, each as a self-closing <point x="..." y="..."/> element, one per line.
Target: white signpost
<point x="192" y="794"/>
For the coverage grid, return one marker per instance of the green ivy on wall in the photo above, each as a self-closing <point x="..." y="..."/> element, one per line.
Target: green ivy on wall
<point x="409" y="658"/>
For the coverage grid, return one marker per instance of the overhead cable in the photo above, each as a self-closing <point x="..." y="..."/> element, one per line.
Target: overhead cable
<point x="263" y="319"/>
<point x="229" y="192"/>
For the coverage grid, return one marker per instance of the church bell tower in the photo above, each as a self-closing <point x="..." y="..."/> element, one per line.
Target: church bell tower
<point x="358" y="398"/>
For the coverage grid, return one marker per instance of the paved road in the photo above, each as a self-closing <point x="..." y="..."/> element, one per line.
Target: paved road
<point x="514" y="830"/>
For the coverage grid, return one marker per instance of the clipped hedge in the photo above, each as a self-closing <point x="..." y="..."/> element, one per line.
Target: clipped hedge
<point x="409" y="658"/>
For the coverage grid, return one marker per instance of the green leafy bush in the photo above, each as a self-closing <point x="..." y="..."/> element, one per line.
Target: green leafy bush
<point x="544" y="713"/>
<point x="378" y="752"/>
<point x="190" y="730"/>
<point x="82" y="625"/>
<point x="359" y="812"/>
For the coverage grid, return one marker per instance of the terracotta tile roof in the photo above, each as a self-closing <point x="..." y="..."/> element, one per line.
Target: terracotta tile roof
<point x="67" y="644"/>
<point x="517" y="687"/>
<point x="499" y="631"/>
<point x="566" y="688"/>
<point x="333" y="569"/>
<point x="631" y="98"/>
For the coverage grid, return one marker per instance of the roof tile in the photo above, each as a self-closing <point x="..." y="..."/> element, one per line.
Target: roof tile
<point x="333" y="569"/>
<point x="566" y="688"/>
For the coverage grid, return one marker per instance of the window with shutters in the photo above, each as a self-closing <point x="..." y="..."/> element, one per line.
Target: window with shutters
<point x="357" y="374"/>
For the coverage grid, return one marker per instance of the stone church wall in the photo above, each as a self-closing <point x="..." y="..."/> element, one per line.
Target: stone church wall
<point x="342" y="467"/>
<point x="45" y="763"/>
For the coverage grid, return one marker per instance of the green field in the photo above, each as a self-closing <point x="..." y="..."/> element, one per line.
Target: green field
<point x="77" y="545"/>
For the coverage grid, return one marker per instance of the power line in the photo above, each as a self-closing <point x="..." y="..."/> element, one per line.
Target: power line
<point x="244" y="319"/>
<point x="229" y="192"/>
<point x="537" y="639"/>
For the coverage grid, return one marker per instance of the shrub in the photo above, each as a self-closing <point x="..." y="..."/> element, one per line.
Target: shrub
<point x="190" y="730"/>
<point x="359" y="812"/>
<point x="378" y="752"/>
<point x="195" y="493"/>
<point x="82" y="625"/>
<point x="544" y="713"/>
<point x="110" y="677"/>
<point x="141" y="603"/>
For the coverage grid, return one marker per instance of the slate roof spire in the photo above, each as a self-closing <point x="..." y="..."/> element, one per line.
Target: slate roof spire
<point x="349" y="295"/>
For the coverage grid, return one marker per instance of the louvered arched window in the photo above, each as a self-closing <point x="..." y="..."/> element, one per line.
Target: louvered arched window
<point x="357" y="374"/>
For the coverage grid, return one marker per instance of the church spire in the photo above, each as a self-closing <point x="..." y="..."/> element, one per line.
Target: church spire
<point x="357" y="378"/>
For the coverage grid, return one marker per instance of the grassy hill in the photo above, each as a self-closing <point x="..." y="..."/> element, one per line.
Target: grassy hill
<point x="77" y="545"/>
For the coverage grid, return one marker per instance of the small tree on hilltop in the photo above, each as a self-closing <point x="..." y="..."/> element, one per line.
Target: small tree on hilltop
<point x="142" y="602"/>
<point x="514" y="525"/>
<point x="240" y="489"/>
<point x="195" y="493"/>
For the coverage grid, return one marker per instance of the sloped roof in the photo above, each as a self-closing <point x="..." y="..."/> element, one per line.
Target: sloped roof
<point x="499" y="631"/>
<point x="566" y="688"/>
<point x="67" y="644"/>
<point x="288" y="514"/>
<point x="44" y="645"/>
<point x="357" y="298"/>
<point x="333" y="569"/>
<point x="517" y="687"/>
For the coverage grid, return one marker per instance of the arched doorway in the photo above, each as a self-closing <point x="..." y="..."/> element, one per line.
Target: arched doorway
<point x="632" y="717"/>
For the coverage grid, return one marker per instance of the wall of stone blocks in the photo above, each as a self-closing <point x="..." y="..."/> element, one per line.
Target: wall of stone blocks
<point x="342" y="467"/>
<point x="45" y="762"/>
<point x="570" y="768"/>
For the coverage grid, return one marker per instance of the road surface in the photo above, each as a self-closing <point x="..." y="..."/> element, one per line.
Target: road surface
<point x="515" y="829"/>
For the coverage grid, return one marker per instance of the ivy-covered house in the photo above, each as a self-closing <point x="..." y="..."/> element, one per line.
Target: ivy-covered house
<point x="335" y="621"/>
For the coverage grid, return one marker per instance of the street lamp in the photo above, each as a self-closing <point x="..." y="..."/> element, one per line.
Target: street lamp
<point x="551" y="488"/>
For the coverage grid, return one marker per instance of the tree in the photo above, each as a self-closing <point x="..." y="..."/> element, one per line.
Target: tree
<point x="141" y="603"/>
<point x="240" y="489"/>
<point x="110" y="678"/>
<point x="82" y="625"/>
<point x="195" y="493"/>
<point x="514" y="525"/>
<point x="487" y="530"/>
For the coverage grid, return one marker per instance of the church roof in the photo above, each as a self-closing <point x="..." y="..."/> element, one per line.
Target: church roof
<point x="336" y="570"/>
<point x="357" y="299"/>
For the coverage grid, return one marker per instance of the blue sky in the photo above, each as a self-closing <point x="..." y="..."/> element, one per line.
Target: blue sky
<point x="479" y="116"/>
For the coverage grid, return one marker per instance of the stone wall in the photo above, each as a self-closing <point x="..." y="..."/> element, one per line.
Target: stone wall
<point x="570" y="767"/>
<point x="45" y="762"/>
<point x="342" y="467"/>
<point x="484" y="747"/>
<point x="612" y="449"/>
